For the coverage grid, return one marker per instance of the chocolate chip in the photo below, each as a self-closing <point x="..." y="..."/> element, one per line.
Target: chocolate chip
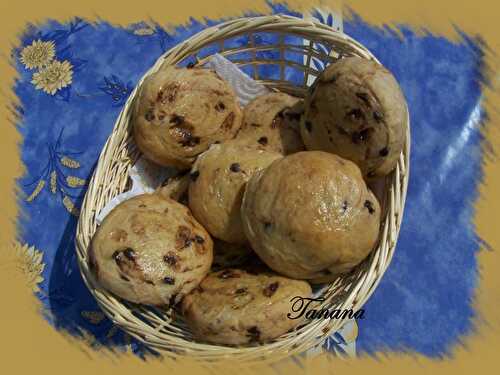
<point x="129" y="253"/>
<point x="235" y="167"/>
<point x="361" y="136"/>
<point x="190" y="141"/>
<point x="176" y="119"/>
<point x="124" y="278"/>
<point x="149" y="116"/>
<point x="142" y="205"/>
<point x="345" y="206"/>
<point x="369" y="205"/>
<point x="194" y="175"/>
<point x="227" y="124"/>
<point x="219" y="107"/>
<point x="384" y="152"/>
<point x="183" y="237"/>
<point x="159" y="96"/>
<point x="126" y="261"/>
<point x="364" y="97"/>
<point x="169" y="280"/>
<point x="255" y="125"/>
<point x="241" y="291"/>
<point x="171" y="259"/>
<point x="253" y="333"/>
<point x="355" y="114"/>
<point x="377" y="116"/>
<point x="309" y="126"/>
<point x="228" y="274"/>
<point x="262" y="141"/>
<point x="171" y="91"/>
<point x="271" y="289"/>
<point x="199" y="239"/>
<point x="149" y="282"/>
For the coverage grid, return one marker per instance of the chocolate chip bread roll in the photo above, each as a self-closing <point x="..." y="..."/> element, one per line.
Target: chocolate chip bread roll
<point x="234" y="307"/>
<point x="310" y="214"/>
<point x="150" y="250"/>
<point x="218" y="179"/>
<point x="180" y="112"/>
<point x="356" y="110"/>
<point x="271" y="122"/>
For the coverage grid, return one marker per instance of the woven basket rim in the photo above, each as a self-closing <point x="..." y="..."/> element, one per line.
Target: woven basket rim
<point x="359" y="290"/>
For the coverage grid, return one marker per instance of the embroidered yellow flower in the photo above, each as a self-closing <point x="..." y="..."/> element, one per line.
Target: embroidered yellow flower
<point x="53" y="182"/>
<point x="94" y="317"/>
<point x="74" y="181"/>
<point x="31" y="264"/>
<point x="143" y="31"/>
<point x="37" y="191"/>
<point x="70" y="206"/>
<point x="53" y="77"/>
<point x="38" y="54"/>
<point x="69" y="163"/>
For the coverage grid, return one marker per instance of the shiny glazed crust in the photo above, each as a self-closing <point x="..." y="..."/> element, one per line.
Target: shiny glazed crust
<point x="150" y="250"/>
<point x="310" y="214"/>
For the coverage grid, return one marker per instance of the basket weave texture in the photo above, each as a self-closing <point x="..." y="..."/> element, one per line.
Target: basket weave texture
<point x="157" y="328"/>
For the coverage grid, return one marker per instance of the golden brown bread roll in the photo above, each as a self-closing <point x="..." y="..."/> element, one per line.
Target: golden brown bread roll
<point x="271" y="122"/>
<point x="310" y="214"/>
<point x="180" y="112"/>
<point x="150" y="250"/>
<point x="218" y="179"/>
<point x="234" y="307"/>
<point x="356" y="110"/>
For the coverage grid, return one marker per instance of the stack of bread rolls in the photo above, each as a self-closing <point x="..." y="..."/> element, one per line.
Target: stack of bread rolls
<point x="268" y="199"/>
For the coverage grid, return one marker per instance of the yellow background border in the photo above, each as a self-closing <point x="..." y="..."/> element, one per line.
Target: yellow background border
<point x="28" y="343"/>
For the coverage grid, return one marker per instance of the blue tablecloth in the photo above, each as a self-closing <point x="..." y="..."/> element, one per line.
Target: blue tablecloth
<point x="423" y="303"/>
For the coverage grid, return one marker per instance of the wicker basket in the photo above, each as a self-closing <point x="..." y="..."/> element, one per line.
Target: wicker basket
<point x="157" y="328"/>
